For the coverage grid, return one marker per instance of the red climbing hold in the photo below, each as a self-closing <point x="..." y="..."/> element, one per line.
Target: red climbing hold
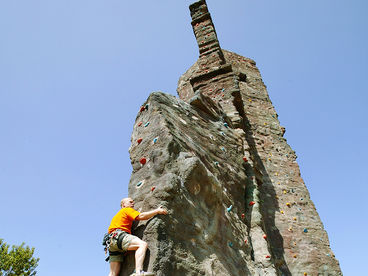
<point x="140" y="123"/>
<point x="245" y="159"/>
<point x="139" y="140"/>
<point x="251" y="203"/>
<point x="142" y="109"/>
<point x="243" y="215"/>
<point x="245" y="241"/>
<point x="153" y="188"/>
<point x="143" y="160"/>
<point x="265" y="237"/>
<point x="268" y="256"/>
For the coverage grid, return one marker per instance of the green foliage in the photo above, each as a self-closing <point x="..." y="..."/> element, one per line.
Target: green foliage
<point x="19" y="261"/>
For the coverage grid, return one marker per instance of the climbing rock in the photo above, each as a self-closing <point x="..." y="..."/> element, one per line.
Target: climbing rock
<point x="206" y="179"/>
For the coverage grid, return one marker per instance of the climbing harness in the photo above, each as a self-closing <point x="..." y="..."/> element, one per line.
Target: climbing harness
<point x="117" y="234"/>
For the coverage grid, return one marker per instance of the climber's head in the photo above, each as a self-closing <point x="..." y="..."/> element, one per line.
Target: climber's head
<point x="127" y="203"/>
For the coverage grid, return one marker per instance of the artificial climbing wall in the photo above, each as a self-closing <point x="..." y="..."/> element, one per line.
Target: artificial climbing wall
<point x="217" y="160"/>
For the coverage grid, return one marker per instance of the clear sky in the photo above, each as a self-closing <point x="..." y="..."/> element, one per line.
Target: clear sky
<point x="73" y="75"/>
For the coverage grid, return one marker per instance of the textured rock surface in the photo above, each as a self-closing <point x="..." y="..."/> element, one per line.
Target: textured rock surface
<point x="226" y="216"/>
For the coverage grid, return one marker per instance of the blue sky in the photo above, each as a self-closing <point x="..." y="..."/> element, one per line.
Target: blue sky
<point x="73" y="75"/>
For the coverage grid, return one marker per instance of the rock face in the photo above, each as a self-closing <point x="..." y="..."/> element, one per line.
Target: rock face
<point x="217" y="160"/>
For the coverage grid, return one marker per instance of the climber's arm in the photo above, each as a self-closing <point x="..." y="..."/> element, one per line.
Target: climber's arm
<point x="152" y="213"/>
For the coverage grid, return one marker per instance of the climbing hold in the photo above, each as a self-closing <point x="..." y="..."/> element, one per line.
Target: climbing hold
<point x="216" y="163"/>
<point x="230" y="244"/>
<point x="139" y="140"/>
<point x="301" y="198"/>
<point x="278" y="183"/>
<point x="139" y="183"/>
<point x="269" y="159"/>
<point x="305" y="274"/>
<point x="294" y="256"/>
<point x="265" y="124"/>
<point x="251" y="203"/>
<point x="140" y="123"/>
<point x="141" y="109"/>
<point x="226" y="125"/>
<point x="268" y="256"/>
<point x="153" y="188"/>
<point x="281" y="211"/>
<point x="230" y="207"/>
<point x="223" y="90"/>
<point x="243" y="216"/>
<point x="222" y="133"/>
<point x="288" y="204"/>
<point x="305" y="230"/>
<point x="294" y="218"/>
<point x="284" y="191"/>
<point x="250" y="100"/>
<point x="143" y="161"/>
<point x="328" y="255"/>
<point x="276" y="173"/>
<point x="265" y="237"/>
<point x="146" y="106"/>
<point x="245" y="159"/>
<point x="146" y="124"/>
<point x="245" y="241"/>
<point x="155" y="140"/>
<point x="290" y="229"/>
<point x="223" y="149"/>
<point x="277" y="197"/>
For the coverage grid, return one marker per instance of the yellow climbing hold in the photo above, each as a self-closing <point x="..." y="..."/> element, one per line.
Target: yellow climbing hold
<point x="250" y="100"/>
<point x="294" y="256"/>
<point x="294" y="218"/>
<point x="284" y="191"/>
<point x="265" y="124"/>
<point x="278" y="183"/>
<point x="288" y="204"/>
<point x="305" y="274"/>
<point x="281" y="211"/>
<point x="276" y="173"/>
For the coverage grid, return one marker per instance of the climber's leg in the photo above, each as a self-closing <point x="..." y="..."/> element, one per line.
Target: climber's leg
<point x="114" y="268"/>
<point x="140" y="248"/>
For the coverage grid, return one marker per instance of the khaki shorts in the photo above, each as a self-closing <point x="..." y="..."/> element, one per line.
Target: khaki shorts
<point x="114" y="248"/>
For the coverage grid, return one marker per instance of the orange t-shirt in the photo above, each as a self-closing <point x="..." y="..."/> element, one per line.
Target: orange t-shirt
<point x="123" y="220"/>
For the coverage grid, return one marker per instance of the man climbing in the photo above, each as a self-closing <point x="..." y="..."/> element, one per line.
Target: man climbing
<point x="122" y="240"/>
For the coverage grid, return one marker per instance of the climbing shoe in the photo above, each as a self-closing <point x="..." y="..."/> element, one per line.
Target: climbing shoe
<point x="143" y="273"/>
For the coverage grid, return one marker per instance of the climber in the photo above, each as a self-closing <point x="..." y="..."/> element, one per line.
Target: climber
<point x="121" y="239"/>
